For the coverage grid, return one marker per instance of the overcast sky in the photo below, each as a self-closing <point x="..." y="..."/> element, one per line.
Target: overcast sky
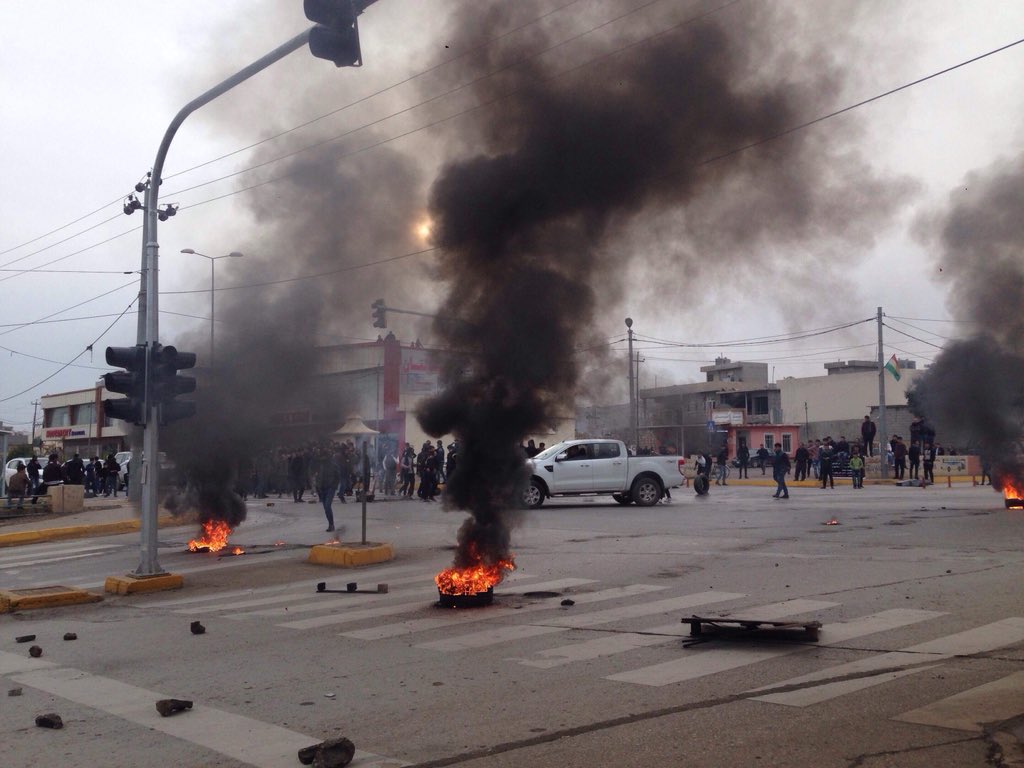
<point x="89" y="88"/>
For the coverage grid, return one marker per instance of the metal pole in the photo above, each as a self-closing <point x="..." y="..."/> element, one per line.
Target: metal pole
<point x="148" y="564"/>
<point x="366" y="485"/>
<point x="882" y="429"/>
<point x="632" y="388"/>
<point x="35" y="406"/>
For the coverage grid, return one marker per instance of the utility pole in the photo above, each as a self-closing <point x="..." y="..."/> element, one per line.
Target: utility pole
<point x="882" y="429"/>
<point x="35" y="406"/>
<point x="632" y="386"/>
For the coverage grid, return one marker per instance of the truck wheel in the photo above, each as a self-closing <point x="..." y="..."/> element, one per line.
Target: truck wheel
<point x="701" y="485"/>
<point x="533" y="495"/>
<point x="622" y="498"/>
<point x="646" y="492"/>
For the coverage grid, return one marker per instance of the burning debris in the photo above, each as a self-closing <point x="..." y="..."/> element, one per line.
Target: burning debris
<point x="471" y="585"/>
<point x="213" y="538"/>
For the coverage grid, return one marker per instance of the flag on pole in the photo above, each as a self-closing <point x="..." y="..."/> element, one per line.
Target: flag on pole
<point x="893" y="367"/>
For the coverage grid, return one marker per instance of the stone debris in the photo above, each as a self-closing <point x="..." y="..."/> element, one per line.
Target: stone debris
<point x="50" y="720"/>
<point x="197" y="628"/>
<point x="70" y="636"/>
<point x="14" y="692"/>
<point x="35" y="651"/>
<point x="25" y="639"/>
<point x="333" y="753"/>
<point x="567" y="602"/>
<point x="168" y="707"/>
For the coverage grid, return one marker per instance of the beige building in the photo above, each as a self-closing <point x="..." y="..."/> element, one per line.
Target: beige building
<point x="74" y="422"/>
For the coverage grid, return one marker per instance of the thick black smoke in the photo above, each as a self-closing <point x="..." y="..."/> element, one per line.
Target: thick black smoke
<point x="976" y="386"/>
<point x="540" y="228"/>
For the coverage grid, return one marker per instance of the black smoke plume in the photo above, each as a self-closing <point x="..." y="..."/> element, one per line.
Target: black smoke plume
<point x="545" y="224"/>
<point x="976" y="385"/>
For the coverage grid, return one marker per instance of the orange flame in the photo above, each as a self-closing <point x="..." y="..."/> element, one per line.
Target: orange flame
<point x="237" y="551"/>
<point x="1010" y="491"/>
<point x="473" y="579"/>
<point x="214" y="537"/>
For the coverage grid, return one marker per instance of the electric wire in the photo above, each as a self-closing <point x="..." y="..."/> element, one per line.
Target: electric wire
<point x="921" y="330"/>
<point x="68" y="309"/>
<point x="909" y="336"/>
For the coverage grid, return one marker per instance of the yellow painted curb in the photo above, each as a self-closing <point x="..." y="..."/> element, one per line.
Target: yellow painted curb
<point x="18" y="538"/>
<point x="44" y="597"/>
<point x="129" y="584"/>
<point x="350" y="555"/>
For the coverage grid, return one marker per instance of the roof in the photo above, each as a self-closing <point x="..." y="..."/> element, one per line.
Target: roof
<point x="707" y="386"/>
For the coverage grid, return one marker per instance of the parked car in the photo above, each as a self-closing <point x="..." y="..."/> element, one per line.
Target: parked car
<point x="592" y="467"/>
<point x="10" y="469"/>
<point x="755" y="461"/>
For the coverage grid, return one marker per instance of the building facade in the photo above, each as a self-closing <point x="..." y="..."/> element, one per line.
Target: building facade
<point x="74" y="422"/>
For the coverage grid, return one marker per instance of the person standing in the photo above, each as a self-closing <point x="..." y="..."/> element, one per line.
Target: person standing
<point x="722" y="465"/>
<point x="111" y="472"/>
<point x="857" y="468"/>
<point x="825" y="464"/>
<point x="327" y="475"/>
<point x="867" y="434"/>
<point x="914" y="459"/>
<point x="296" y="476"/>
<point x="390" y="466"/>
<point x="780" y="468"/>
<point x="743" y="455"/>
<point x="35" y="473"/>
<point x="407" y="464"/>
<point x="899" y="456"/>
<point x="930" y="452"/>
<point x="74" y="471"/>
<point x="18" y="486"/>
<point x="802" y="458"/>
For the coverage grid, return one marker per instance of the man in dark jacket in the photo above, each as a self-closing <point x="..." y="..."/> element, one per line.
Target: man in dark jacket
<point x="743" y="457"/>
<point x="867" y="435"/>
<point x="780" y="468"/>
<point x="74" y="471"/>
<point x="35" y="473"/>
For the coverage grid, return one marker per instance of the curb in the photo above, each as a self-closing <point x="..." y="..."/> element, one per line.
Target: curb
<point x="350" y="555"/>
<point x="129" y="584"/>
<point x="18" y="538"/>
<point x="44" y="597"/>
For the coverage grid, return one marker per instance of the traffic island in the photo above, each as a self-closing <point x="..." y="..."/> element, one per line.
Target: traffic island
<point x="347" y="555"/>
<point x="131" y="584"/>
<point x="44" y="597"/>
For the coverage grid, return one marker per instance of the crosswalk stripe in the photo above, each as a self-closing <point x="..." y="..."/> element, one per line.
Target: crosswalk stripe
<point x="700" y="661"/>
<point x="889" y="666"/>
<point x="34" y="555"/>
<point x="449" y="617"/>
<point x="564" y="623"/>
<point x="394" y="610"/>
<point x="661" y="634"/>
<point x="223" y="732"/>
<point x="57" y="547"/>
<point x="970" y="710"/>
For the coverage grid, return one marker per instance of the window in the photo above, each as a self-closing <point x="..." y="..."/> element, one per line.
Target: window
<point x="787" y="442"/>
<point x="759" y="405"/>
<point x="84" y="414"/>
<point x="58" y="417"/>
<point x="607" y="450"/>
<point x="769" y="441"/>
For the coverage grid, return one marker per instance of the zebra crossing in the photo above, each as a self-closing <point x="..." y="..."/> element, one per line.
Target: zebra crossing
<point x="14" y="559"/>
<point x="616" y="614"/>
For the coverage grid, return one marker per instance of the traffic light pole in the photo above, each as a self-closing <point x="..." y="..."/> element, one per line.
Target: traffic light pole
<point x="149" y="303"/>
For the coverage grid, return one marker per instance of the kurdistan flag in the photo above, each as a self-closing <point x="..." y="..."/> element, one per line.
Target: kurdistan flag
<point x="893" y="367"/>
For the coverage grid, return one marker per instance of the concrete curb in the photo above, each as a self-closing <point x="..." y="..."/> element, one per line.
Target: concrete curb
<point x="44" y="597"/>
<point x="350" y="555"/>
<point x="129" y="584"/>
<point x="18" y="538"/>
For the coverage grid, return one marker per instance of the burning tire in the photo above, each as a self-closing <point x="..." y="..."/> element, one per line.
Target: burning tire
<point x="622" y="498"/>
<point x="533" y="495"/>
<point x="701" y="485"/>
<point x="646" y="491"/>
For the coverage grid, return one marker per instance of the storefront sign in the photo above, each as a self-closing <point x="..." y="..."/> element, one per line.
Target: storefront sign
<point x="56" y="433"/>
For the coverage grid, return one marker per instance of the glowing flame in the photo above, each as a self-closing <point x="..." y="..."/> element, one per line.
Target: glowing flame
<point x="214" y="537"/>
<point x="833" y="521"/>
<point x="424" y="229"/>
<point x="474" y="579"/>
<point x="1011" y="491"/>
<point x="237" y="551"/>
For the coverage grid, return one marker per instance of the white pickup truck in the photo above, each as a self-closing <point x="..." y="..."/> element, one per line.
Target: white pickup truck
<point x="591" y="467"/>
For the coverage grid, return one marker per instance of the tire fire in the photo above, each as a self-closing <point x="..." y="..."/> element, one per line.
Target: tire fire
<point x="213" y="538"/>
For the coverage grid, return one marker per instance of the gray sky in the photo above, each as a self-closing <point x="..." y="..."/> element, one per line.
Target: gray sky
<point x="88" y="89"/>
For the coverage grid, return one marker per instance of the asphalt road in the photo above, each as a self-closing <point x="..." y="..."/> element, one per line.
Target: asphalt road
<point x="918" y="592"/>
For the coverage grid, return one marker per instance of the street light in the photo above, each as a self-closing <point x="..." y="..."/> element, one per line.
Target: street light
<point x="232" y="255"/>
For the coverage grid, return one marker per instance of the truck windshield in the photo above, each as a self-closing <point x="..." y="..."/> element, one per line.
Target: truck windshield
<point x="554" y="450"/>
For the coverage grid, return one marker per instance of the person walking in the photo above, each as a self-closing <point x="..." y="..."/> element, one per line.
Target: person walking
<point x="763" y="456"/>
<point x="780" y="468"/>
<point x="743" y="456"/>
<point x="327" y="476"/>
<point x="722" y="465"/>
<point x="857" y="468"/>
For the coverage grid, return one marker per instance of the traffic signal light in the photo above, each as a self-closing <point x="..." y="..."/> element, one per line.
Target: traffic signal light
<point x="130" y="382"/>
<point x="166" y="384"/>
<point x="336" y="34"/>
<point x="380" y="319"/>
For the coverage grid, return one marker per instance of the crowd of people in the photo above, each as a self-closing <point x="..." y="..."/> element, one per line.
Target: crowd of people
<point x="34" y="478"/>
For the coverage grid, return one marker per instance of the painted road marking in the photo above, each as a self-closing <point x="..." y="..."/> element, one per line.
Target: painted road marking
<point x="565" y="623"/>
<point x="241" y="738"/>
<point x="993" y="702"/>
<point x="700" y="661"/>
<point x="896" y="664"/>
<point x="664" y="633"/>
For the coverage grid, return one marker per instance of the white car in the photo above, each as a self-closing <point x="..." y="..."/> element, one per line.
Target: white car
<point x="12" y="465"/>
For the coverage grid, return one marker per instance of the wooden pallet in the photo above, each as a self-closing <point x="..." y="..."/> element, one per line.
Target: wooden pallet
<point x="698" y="623"/>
